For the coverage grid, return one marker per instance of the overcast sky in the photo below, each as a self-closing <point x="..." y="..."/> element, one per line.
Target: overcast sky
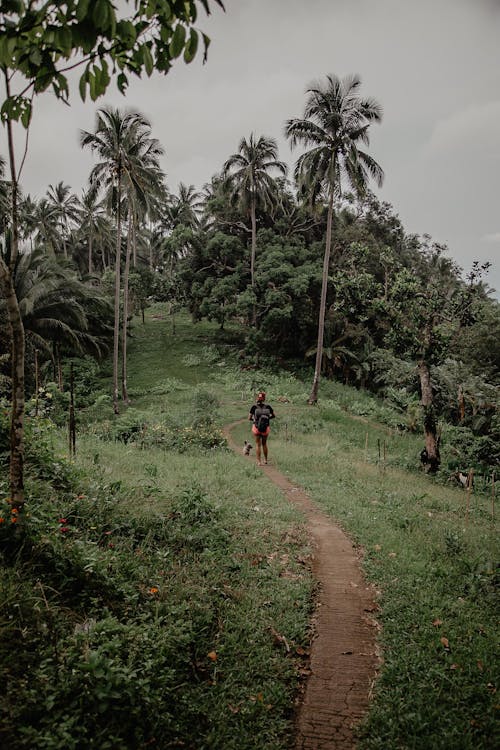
<point x="434" y="65"/>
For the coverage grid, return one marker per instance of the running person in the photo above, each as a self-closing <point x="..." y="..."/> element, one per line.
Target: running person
<point x="261" y="414"/>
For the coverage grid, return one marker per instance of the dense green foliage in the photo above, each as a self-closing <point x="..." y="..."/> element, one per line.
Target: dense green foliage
<point x="147" y="592"/>
<point x="129" y="594"/>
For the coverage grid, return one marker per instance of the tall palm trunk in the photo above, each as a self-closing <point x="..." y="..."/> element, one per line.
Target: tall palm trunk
<point x="253" y="253"/>
<point x="253" y="250"/>
<point x="90" y="252"/>
<point x="125" y="303"/>
<point x="313" y="398"/>
<point x="16" y="469"/>
<point x="432" y="456"/>
<point x="116" y="330"/>
<point x="16" y="474"/>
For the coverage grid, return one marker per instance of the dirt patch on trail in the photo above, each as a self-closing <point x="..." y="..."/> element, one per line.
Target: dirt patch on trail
<point x="344" y="658"/>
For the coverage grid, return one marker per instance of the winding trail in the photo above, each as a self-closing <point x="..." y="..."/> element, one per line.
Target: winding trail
<point x="344" y="657"/>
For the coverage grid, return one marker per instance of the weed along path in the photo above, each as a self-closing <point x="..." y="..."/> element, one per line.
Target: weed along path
<point x="343" y="656"/>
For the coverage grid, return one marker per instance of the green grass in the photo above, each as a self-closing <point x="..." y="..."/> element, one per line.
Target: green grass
<point x="436" y="571"/>
<point x="164" y="615"/>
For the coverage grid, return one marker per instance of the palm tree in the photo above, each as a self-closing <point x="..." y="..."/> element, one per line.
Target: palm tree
<point x="185" y="207"/>
<point x="336" y="119"/>
<point x="46" y="234"/>
<point x="127" y="153"/>
<point x="248" y="174"/>
<point x="94" y="225"/>
<point x="65" y="208"/>
<point x="28" y="211"/>
<point x="56" y="306"/>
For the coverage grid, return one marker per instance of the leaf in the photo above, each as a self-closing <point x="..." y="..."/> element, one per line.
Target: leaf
<point x="122" y="82"/>
<point x="125" y="30"/>
<point x="212" y="655"/>
<point x="206" y="45"/>
<point x="26" y="114"/>
<point x="178" y="40"/>
<point x="92" y="86"/>
<point x="82" y="9"/>
<point x="445" y="643"/>
<point x="148" y="59"/>
<point x="100" y="14"/>
<point x="82" y="86"/>
<point x="191" y="47"/>
<point x="437" y="623"/>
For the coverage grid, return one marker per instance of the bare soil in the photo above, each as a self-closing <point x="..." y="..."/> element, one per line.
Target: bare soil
<point x="344" y="660"/>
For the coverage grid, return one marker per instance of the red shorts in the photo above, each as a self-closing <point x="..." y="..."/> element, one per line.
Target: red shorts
<point x="260" y="434"/>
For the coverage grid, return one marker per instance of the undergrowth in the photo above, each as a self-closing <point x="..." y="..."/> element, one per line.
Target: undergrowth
<point x="129" y="611"/>
<point x="158" y="594"/>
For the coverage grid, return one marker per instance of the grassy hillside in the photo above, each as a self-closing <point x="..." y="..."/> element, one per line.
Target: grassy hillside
<point x="162" y="596"/>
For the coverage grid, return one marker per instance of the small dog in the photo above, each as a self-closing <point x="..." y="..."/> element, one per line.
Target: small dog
<point x="247" y="448"/>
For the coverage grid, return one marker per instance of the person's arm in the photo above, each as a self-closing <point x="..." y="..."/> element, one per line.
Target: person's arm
<point x="272" y="415"/>
<point x="251" y="414"/>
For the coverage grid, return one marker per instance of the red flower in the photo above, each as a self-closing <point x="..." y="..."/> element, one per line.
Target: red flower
<point x="62" y="520"/>
<point x="64" y="529"/>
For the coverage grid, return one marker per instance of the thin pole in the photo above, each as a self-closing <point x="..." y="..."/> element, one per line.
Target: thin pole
<point x="72" y="426"/>
<point x="493" y="497"/>
<point x="37" y="384"/>
<point x="469" y="489"/>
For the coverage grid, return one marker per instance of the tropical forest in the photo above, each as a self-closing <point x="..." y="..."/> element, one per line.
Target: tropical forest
<point x="162" y="586"/>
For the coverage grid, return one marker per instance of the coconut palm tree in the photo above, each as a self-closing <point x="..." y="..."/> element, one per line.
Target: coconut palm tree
<point x="46" y="234"/>
<point x="56" y="306"/>
<point x="93" y="224"/>
<point x="248" y="173"/>
<point x="122" y="142"/>
<point x="57" y="309"/>
<point x="64" y="206"/>
<point x="335" y="123"/>
<point x="185" y="207"/>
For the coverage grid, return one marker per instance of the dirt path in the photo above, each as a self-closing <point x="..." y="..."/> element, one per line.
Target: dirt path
<point x="343" y="655"/>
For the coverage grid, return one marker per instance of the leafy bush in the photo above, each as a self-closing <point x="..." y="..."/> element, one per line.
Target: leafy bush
<point x="171" y="433"/>
<point x="464" y="450"/>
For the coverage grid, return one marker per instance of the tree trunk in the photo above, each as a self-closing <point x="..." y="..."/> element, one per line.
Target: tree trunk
<point x="430" y="455"/>
<point x="461" y="403"/>
<point x="134" y="243"/>
<point x="116" y="330"/>
<point x="253" y="253"/>
<point x="90" y="252"/>
<point x="72" y="419"/>
<point x="60" y="383"/>
<point x="253" y="250"/>
<point x="16" y="473"/>
<point x="313" y="398"/>
<point x="125" y="306"/>
<point x="7" y="272"/>
<point x="37" y="382"/>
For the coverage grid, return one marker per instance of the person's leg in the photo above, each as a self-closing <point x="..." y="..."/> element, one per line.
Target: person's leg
<point x="257" y="447"/>
<point x="264" y="448"/>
